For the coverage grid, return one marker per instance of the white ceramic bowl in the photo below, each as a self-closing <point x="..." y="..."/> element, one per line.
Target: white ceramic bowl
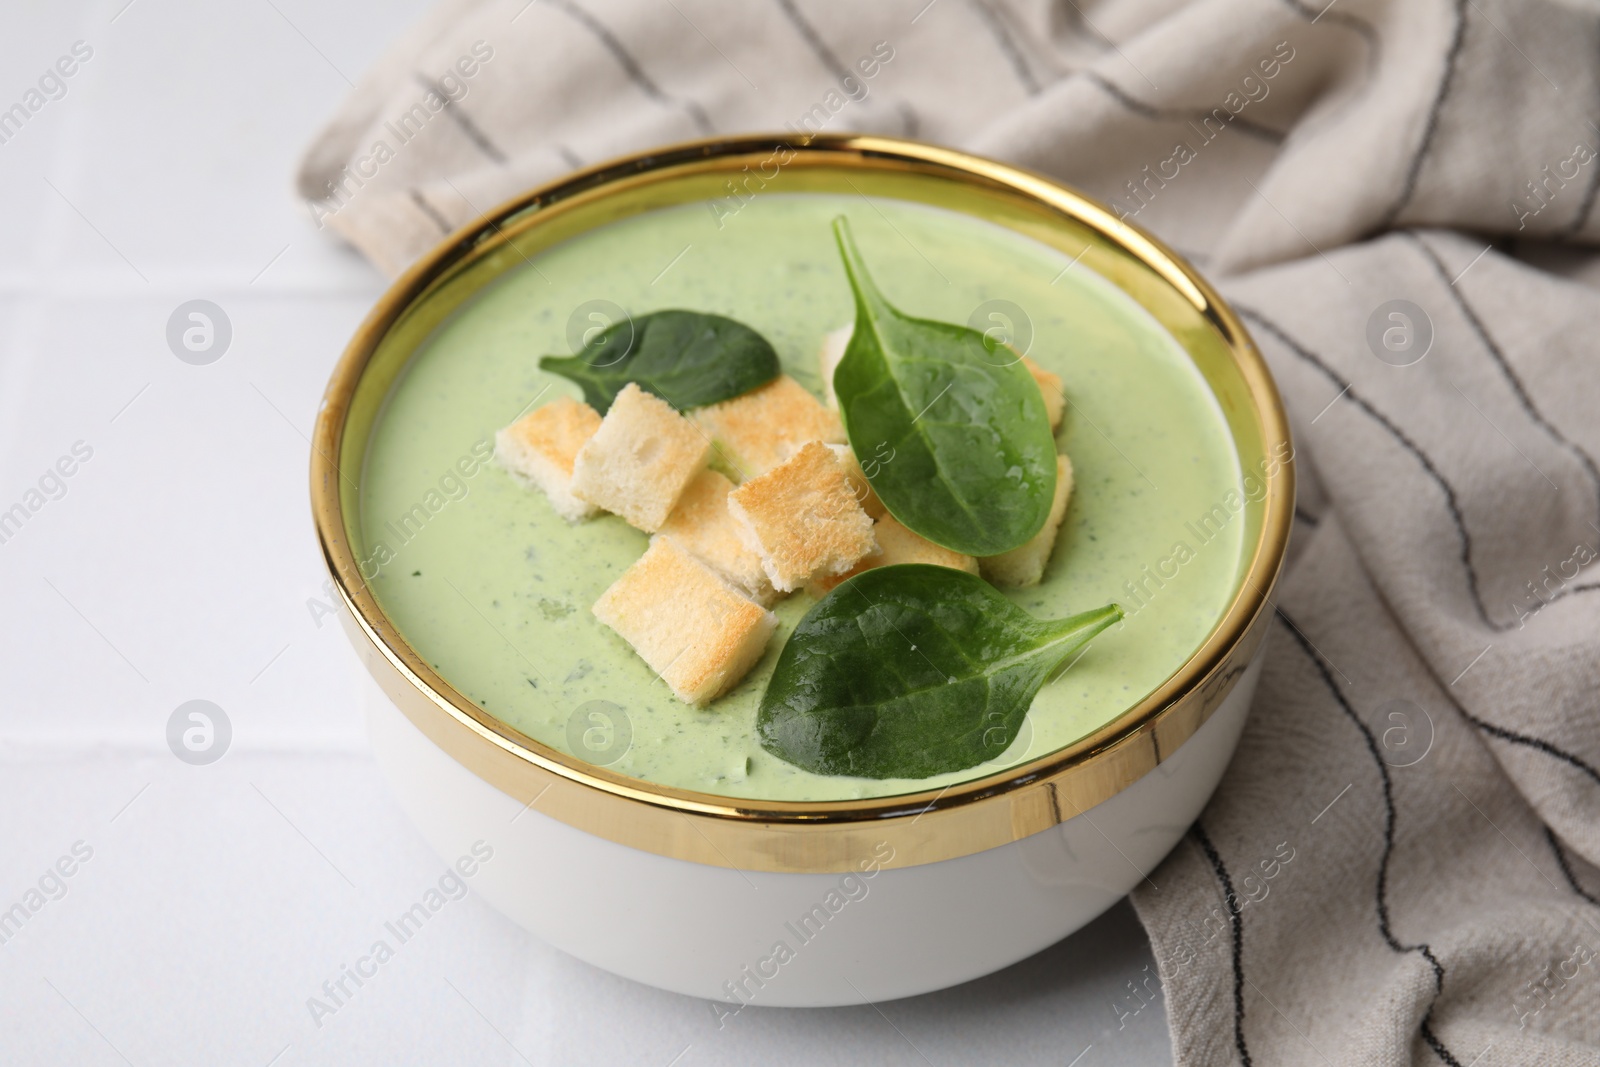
<point x="711" y="931"/>
<point x="785" y="903"/>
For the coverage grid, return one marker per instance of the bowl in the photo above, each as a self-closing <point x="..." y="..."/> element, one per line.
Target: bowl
<point x="793" y="903"/>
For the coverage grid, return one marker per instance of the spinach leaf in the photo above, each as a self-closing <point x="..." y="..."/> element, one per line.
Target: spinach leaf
<point x="912" y="670"/>
<point x="687" y="358"/>
<point x="974" y="465"/>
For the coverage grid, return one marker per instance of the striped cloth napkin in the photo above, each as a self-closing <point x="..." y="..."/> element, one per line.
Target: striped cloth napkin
<point x="1400" y="865"/>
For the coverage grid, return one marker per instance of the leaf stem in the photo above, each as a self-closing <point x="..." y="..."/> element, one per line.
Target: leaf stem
<point x="868" y="298"/>
<point x="1075" y="631"/>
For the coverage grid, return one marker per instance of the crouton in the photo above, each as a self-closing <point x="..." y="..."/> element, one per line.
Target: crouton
<point x="1024" y="565"/>
<point x="858" y="482"/>
<point x="693" y="630"/>
<point x="702" y="526"/>
<point x="802" y="517"/>
<point x="759" y="430"/>
<point x="538" y="449"/>
<point x="896" y="544"/>
<point x="639" y="459"/>
<point x="1055" y="399"/>
<point x="828" y="356"/>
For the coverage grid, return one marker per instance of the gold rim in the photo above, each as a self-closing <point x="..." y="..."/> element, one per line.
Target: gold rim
<point x="921" y="827"/>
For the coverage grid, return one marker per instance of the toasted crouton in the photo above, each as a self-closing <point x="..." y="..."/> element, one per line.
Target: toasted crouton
<point x="1055" y="400"/>
<point x="900" y="545"/>
<point x="759" y="430"/>
<point x="538" y="450"/>
<point x="896" y="544"/>
<point x="1024" y="565"/>
<point x="858" y="482"/>
<point x="639" y="460"/>
<point x="802" y="517"/>
<point x="828" y="356"/>
<point x="702" y="525"/>
<point x="699" y="635"/>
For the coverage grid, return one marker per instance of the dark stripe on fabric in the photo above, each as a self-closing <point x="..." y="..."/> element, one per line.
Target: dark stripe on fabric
<point x="1008" y="47"/>
<point x="1356" y="398"/>
<point x="1550" y="750"/>
<point x="1431" y="127"/>
<point x="698" y="116"/>
<point x="1306" y="517"/>
<point x="826" y="56"/>
<point x="1389" y="818"/>
<point x="1565" y="591"/>
<point x="464" y="123"/>
<point x="569" y="157"/>
<point x="1566" y="868"/>
<point x="1490" y="728"/>
<point x="1160" y="114"/>
<point x="814" y="41"/>
<point x="908" y="118"/>
<point x="430" y="211"/>
<point x="1504" y="365"/>
<point x="1236" y="921"/>
<point x="1451" y="501"/>
<point x="1433" y="1041"/>
<point x="1526" y="741"/>
<point x="1546" y="601"/>
<point x="630" y="66"/>
<point x="1074" y="17"/>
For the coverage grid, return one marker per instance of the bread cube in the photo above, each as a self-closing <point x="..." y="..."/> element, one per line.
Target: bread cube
<point x="538" y="449"/>
<point x="859" y="485"/>
<point x="896" y="544"/>
<point x="828" y="356"/>
<point x="693" y="630"/>
<point x="803" y="518"/>
<point x="639" y="460"/>
<point x="1024" y="565"/>
<point x="759" y="430"/>
<point x="703" y="526"/>
<point x="1055" y="397"/>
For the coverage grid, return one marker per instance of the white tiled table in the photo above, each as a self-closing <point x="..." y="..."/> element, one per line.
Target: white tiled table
<point x="179" y="563"/>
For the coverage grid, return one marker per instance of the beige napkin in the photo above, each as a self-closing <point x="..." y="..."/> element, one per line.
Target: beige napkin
<point x="1400" y="864"/>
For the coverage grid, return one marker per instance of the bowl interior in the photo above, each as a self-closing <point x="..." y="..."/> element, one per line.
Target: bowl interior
<point x="1155" y="279"/>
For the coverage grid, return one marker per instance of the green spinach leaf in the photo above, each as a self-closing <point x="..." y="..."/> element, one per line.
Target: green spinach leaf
<point x="974" y="465"/>
<point x="912" y="670"/>
<point x="687" y="358"/>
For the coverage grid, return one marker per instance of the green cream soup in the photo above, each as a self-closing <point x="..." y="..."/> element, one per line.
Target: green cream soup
<point x="493" y="589"/>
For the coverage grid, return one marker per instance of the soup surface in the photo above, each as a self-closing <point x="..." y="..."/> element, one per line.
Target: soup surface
<point x="493" y="589"/>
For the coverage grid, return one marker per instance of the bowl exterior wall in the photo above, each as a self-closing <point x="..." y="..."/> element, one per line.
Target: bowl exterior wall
<point x="781" y="939"/>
